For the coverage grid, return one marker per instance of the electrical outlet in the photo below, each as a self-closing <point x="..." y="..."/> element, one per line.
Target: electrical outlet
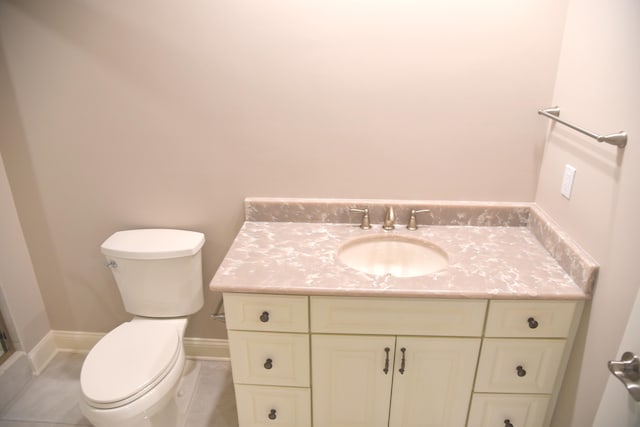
<point x="567" y="181"/>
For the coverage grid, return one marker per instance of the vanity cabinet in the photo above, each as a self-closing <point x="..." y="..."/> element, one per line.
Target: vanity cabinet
<point x="327" y="361"/>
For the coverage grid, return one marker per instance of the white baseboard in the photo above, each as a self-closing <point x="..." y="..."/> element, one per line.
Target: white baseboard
<point x="42" y="353"/>
<point x="75" y="341"/>
<point x="195" y="348"/>
<point x="206" y="348"/>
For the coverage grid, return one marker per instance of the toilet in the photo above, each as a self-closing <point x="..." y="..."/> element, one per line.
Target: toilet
<point x="130" y="377"/>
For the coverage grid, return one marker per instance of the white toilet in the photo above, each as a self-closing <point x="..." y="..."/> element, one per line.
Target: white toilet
<point x="130" y="377"/>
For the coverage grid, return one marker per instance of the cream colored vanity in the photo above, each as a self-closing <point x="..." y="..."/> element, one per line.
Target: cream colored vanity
<point x="397" y="362"/>
<point x="484" y="343"/>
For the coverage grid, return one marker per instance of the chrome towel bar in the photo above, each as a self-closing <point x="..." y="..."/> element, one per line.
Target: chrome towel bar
<point x="618" y="139"/>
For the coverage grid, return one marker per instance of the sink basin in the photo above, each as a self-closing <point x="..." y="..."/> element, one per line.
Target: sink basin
<point x="395" y="255"/>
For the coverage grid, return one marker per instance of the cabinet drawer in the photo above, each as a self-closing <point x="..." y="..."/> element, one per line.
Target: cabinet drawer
<point x="254" y="312"/>
<point x="493" y="410"/>
<point x="531" y="319"/>
<point x="260" y="406"/>
<point x="269" y="358"/>
<point x="518" y="365"/>
<point x="397" y="316"/>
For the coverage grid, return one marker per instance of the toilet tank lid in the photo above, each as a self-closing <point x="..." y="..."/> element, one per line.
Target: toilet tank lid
<point x="153" y="243"/>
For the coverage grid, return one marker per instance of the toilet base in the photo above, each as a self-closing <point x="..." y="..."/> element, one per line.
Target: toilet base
<point x="158" y="408"/>
<point x="167" y="417"/>
<point x="163" y="414"/>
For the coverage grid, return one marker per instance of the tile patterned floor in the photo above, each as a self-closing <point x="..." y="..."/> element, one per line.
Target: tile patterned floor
<point x="51" y="399"/>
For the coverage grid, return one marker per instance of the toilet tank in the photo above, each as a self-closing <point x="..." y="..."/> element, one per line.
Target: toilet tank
<point x="158" y="271"/>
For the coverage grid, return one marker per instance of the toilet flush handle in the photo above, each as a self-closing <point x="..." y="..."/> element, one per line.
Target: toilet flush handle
<point x="111" y="264"/>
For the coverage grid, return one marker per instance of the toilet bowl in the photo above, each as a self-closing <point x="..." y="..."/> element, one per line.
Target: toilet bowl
<point x="130" y="377"/>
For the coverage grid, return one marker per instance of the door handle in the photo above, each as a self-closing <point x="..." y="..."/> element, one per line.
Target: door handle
<point x="627" y="371"/>
<point x="386" y="361"/>
<point x="402" y="364"/>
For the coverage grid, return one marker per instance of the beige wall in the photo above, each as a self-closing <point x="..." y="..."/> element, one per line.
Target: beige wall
<point x="598" y="87"/>
<point x="159" y="114"/>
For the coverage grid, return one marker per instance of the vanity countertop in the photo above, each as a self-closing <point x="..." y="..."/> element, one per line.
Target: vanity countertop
<point x="492" y="262"/>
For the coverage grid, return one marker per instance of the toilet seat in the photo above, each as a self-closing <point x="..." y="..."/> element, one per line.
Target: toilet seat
<point x="128" y="362"/>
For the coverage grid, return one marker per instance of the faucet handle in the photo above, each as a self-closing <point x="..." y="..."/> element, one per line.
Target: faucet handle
<point x="413" y="225"/>
<point x="364" y="224"/>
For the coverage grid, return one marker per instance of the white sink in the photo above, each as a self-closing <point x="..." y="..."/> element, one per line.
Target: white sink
<point x="395" y="255"/>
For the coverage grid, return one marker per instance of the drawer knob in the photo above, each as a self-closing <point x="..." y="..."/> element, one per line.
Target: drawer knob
<point x="533" y="323"/>
<point x="268" y="364"/>
<point x="272" y="415"/>
<point x="521" y="371"/>
<point x="507" y="423"/>
<point x="264" y="317"/>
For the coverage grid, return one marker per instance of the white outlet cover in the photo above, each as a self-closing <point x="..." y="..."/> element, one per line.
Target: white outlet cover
<point x="567" y="181"/>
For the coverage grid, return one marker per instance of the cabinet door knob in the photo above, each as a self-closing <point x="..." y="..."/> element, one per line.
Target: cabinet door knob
<point x="521" y="371"/>
<point x="507" y="423"/>
<point x="272" y="415"/>
<point x="402" y="363"/>
<point x="533" y="323"/>
<point x="264" y="317"/>
<point x="268" y="364"/>
<point x="386" y="361"/>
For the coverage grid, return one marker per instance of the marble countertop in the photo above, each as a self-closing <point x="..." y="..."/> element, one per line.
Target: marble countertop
<point x="485" y="261"/>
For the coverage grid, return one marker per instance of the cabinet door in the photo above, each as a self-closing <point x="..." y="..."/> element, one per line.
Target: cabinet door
<point x="350" y="385"/>
<point x="434" y="388"/>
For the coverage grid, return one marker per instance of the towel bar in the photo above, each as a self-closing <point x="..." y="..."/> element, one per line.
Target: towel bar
<point x="618" y="139"/>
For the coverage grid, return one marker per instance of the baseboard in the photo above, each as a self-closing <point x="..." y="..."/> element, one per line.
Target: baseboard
<point x="75" y="341"/>
<point x="42" y="353"/>
<point x="206" y="348"/>
<point x="195" y="348"/>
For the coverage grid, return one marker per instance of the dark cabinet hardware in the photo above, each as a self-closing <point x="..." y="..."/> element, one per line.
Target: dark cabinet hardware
<point x="533" y="323"/>
<point x="521" y="371"/>
<point x="507" y="423"/>
<point x="268" y="364"/>
<point x="272" y="415"/>
<point x="264" y="317"/>
<point x="402" y="363"/>
<point x="386" y="361"/>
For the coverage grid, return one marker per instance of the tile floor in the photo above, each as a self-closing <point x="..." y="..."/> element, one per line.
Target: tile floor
<point x="51" y="399"/>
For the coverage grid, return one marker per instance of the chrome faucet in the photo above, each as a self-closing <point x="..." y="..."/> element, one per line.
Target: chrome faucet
<point x="389" y="219"/>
